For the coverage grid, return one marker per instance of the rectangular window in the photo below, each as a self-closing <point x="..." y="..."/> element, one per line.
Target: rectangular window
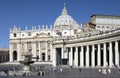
<point x="49" y="57"/>
<point x="29" y="45"/>
<point x="15" y="35"/>
<point x="43" y="56"/>
<point x="75" y="31"/>
<point x="102" y="26"/>
<point x="29" y="33"/>
<point x="98" y="26"/>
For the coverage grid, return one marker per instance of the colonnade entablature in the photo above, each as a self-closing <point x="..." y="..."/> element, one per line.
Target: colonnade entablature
<point x="103" y="38"/>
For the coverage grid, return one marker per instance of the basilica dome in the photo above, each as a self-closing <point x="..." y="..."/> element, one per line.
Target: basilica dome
<point x="65" y="21"/>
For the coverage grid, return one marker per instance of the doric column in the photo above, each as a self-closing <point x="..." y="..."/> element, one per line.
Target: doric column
<point x="87" y="56"/>
<point x="71" y="56"/>
<point x="93" y="55"/>
<point x="54" y="57"/>
<point x="81" y="57"/>
<point x="104" y="55"/>
<point x="116" y="54"/>
<point x="110" y="55"/>
<point x="46" y="53"/>
<point x="11" y="53"/>
<point x="99" y="56"/>
<point x="76" y="57"/>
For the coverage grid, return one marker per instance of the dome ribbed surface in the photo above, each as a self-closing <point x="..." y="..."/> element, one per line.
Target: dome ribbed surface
<point x="65" y="20"/>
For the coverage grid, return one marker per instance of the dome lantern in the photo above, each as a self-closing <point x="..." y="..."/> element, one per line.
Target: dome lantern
<point x="64" y="11"/>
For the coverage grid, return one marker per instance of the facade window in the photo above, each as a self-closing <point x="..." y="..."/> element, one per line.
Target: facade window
<point x="29" y="45"/>
<point x="15" y="35"/>
<point x="59" y="33"/>
<point x="29" y="34"/>
<point x="98" y="26"/>
<point x="49" y="57"/>
<point x="107" y="26"/>
<point x="75" y="31"/>
<point x="43" y="56"/>
<point x="112" y="27"/>
<point x="102" y="26"/>
<point x="22" y="34"/>
<point x="37" y="34"/>
<point x="37" y="58"/>
<point x="48" y="33"/>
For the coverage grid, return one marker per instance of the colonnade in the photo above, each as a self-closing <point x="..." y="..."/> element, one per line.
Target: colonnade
<point x="95" y="55"/>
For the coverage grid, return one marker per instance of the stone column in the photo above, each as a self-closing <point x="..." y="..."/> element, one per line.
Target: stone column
<point x="104" y="56"/>
<point x="46" y="53"/>
<point x="116" y="54"/>
<point x="93" y="55"/>
<point x="87" y="56"/>
<point x="54" y="57"/>
<point x="39" y="52"/>
<point x="110" y="55"/>
<point x="81" y="57"/>
<point x="99" y="56"/>
<point x="11" y="53"/>
<point x="34" y="50"/>
<point x="18" y="52"/>
<point x="76" y="57"/>
<point x="66" y="53"/>
<point x="51" y="53"/>
<point x="62" y="52"/>
<point x="71" y="56"/>
<point x="26" y="48"/>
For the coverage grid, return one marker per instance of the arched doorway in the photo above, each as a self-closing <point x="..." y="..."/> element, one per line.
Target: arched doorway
<point x="14" y="55"/>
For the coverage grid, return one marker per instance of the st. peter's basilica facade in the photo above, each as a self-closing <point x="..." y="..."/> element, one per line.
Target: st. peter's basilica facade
<point x="67" y="43"/>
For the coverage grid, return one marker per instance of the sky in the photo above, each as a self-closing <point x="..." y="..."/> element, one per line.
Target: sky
<point x="28" y="13"/>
